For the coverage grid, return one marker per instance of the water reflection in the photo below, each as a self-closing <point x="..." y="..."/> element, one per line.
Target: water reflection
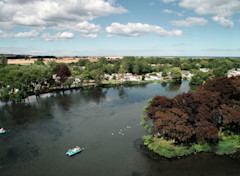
<point x="173" y="86"/>
<point x="121" y="92"/>
<point x="21" y="113"/>
<point x="163" y="84"/>
<point x="97" y="95"/>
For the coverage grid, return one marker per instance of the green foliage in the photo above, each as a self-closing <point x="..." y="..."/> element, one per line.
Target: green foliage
<point x="86" y="75"/>
<point x="144" y="111"/>
<point x="168" y="149"/>
<point x="75" y="72"/>
<point x="98" y="76"/>
<point x="38" y="62"/>
<point x="53" y="66"/>
<point x="150" y="100"/>
<point x="143" y="122"/>
<point x="200" y="77"/>
<point x="148" y="127"/>
<point x="228" y="143"/>
<point x="82" y="62"/>
<point x="205" y="147"/>
<point x="176" y="74"/>
<point x="164" y="73"/>
<point x="220" y="71"/>
<point x="3" y="61"/>
<point x="108" y="69"/>
<point x="23" y="78"/>
<point x="186" y="66"/>
<point x="68" y="82"/>
<point x="147" y="139"/>
<point x="153" y="74"/>
<point x="143" y="77"/>
<point x="225" y="147"/>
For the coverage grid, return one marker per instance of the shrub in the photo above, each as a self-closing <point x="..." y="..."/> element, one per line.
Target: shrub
<point x="225" y="147"/>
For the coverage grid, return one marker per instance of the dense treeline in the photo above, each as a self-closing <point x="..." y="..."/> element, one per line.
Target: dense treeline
<point x="141" y="65"/>
<point x="29" y="79"/>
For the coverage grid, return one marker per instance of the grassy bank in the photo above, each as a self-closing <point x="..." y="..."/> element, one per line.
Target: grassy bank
<point x="167" y="148"/>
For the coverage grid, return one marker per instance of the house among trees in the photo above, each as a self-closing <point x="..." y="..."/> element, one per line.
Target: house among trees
<point x="233" y="72"/>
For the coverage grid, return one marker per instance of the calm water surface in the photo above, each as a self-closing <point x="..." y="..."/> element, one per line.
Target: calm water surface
<point x="106" y="123"/>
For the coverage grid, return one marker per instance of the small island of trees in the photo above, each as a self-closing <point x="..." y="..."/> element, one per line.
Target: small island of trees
<point x="205" y="121"/>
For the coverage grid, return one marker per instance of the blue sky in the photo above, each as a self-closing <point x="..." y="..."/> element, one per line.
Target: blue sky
<point x="120" y="27"/>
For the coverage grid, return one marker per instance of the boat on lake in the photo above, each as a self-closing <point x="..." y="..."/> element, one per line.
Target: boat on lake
<point x="74" y="151"/>
<point x="3" y="131"/>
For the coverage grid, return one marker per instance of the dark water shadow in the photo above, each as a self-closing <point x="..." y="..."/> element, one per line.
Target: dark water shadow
<point x="96" y="95"/>
<point x="173" y="86"/>
<point x="199" y="164"/>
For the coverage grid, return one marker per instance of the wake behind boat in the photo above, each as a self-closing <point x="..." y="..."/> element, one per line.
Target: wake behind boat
<point x="74" y="151"/>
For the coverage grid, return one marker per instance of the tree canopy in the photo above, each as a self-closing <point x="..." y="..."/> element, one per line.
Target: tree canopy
<point x="189" y="117"/>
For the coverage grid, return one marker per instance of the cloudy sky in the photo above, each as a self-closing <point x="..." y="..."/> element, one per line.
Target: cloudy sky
<point x="120" y="27"/>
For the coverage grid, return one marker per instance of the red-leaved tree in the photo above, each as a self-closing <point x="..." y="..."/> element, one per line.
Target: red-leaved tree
<point x="63" y="72"/>
<point x="197" y="117"/>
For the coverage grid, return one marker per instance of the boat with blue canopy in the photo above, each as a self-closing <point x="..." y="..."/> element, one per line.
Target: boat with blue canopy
<point x="74" y="151"/>
<point x="2" y="131"/>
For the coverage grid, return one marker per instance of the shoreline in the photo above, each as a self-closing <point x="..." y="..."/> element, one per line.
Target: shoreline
<point x="107" y="84"/>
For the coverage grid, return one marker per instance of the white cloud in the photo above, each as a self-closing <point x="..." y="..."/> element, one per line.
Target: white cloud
<point x="190" y="21"/>
<point x="1" y="31"/>
<point x="167" y="11"/>
<point x="223" y="21"/>
<point x="85" y="28"/>
<point x="89" y="35"/>
<point x="219" y="8"/>
<point x="172" y="12"/>
<point x="139" y="29"/>
<point x="57" y="36"/>
<point x="167" y="1"/>
<point x="48" y="14"/>
<point x="30" y="34"/>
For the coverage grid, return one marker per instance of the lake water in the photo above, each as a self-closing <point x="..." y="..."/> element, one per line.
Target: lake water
<point x="105" y="121"/>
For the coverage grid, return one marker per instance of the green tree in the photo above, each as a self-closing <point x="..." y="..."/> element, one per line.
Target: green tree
<point x="38" y="62"/>
<point x="98" y="76"/>
<point x="86" y="76"/>
<point x="108" y="69"/>
<point x="68" y="83"/>
<point x="221" y="71"/>
<point x="186" y="66"/>
<point x="176" y="74"/>
<point x="200" y="77"/>
<point x="82" y="62"/>
<point x="164" y="73"/>
<point x="54" y="66"/>
<point x="3" y="61"/>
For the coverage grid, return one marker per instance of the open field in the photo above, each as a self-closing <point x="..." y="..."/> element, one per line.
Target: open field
<point x="58" y="59"/>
